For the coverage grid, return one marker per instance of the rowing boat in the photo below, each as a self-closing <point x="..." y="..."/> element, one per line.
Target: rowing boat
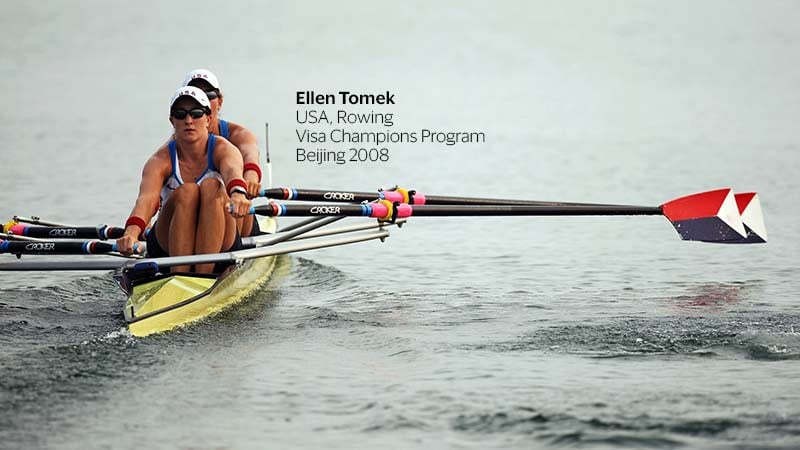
<point x="165" y="301"/>
<point x="159" y="301"/>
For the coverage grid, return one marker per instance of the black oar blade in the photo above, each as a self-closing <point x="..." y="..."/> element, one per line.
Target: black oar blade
<point x="706" y="216"/>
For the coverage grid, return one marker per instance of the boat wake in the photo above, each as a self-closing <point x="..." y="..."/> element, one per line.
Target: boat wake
<point x="766" y="338"/>
<point x="313" y="275"/>
<point x="639" y="431"/>
<point x="66" y="312"/>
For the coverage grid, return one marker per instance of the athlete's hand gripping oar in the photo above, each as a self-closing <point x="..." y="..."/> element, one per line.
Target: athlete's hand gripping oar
<point x="60" y="248"/>
<point x="708" y="216"/>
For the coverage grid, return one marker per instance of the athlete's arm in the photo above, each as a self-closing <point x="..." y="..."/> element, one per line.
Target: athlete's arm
<point x="229" y="161"/>
<point x="154" y="173"/>
<point x="247" y="144"/>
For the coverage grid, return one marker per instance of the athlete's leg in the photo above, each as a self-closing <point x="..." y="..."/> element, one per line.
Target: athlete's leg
<point x="216" y="228"/>
<point x="245" y="225"/>
<point x="177" y="222"/>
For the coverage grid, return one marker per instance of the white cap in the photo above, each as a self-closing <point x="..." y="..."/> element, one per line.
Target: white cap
<point x="203" y="74"/>
<point x="191" y="91"/>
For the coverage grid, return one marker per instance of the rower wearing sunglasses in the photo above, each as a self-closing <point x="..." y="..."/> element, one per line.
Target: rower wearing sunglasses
<point x="195" y="183"/>
<point x="238" y="135"/>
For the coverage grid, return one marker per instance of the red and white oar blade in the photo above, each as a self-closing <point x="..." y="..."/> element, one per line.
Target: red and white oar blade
<point x="750" y="209"/>
<point x="707" y="216"/>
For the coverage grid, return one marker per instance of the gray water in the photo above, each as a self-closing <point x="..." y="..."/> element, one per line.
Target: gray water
<point x="485" y="333"/>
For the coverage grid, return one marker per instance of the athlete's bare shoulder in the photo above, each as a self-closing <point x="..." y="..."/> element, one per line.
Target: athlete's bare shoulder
<point x="222" y="144"/>
<point x="160" y="161"/>
<point x="240" y="134"/>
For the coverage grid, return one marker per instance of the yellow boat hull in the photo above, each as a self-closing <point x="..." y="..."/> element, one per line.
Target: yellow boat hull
<point x="174" y="300"/>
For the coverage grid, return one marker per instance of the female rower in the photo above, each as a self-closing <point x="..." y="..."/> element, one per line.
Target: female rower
<point x="238" y="135"/>
<point x="195" y="182"/>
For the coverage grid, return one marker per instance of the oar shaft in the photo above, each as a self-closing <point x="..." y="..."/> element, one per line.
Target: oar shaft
<point x="274" y="209"/>
<point x="448" y="200"/>
<point x="100" y="232"/>
<point x="39" y="221"/>
<point x="411" y="197"/>
<point x="534" y="210"/>
<point x="318" y="195"/>
<point x="387" y="212"/>
<point x="57" y="247"/>
<point x="258" y="252"/>
<point x="83" y="264"/>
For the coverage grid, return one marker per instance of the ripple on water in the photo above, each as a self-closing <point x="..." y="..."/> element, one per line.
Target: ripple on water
<point x="59" y="313"/>
<point x="767" y="338"/>
<point x="640" y="431"/>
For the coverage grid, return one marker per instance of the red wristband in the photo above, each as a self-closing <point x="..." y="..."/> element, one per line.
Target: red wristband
<point x="254" y="167"/>
<point x="139" y="222"/>
<point x="233" y="184"/>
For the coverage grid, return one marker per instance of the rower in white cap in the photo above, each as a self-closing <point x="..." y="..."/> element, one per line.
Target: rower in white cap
<point x="238" y="135"/>
<point x="195" y="183"/>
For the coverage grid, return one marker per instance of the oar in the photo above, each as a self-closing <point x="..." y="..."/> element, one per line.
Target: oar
<point x="59" y="247"/>
<point x="386" y="210"/>
<point x="150" y="264"/>
<point x="268" y="239"/>
<point x="56" y="232"/>
<point x="39" y="221"/>
<point x="272" y="239"/>
<point x="14" y="237"/>
<point x="711" y="216"/>
<point x="750" y="207"/>
<point x="302" y="223"/>
<point x="396" y="195"/>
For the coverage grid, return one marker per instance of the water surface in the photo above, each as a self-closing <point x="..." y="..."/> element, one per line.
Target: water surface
<point x="454" y="333"/>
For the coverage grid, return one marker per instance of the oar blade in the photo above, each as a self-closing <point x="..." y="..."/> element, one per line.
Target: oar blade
<point x="711" y="216"/>
<point x="750" y="209"/>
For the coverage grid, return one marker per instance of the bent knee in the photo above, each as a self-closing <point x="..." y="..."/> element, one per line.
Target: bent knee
<point x="213" y="193"/>
<point x="188" y="193"/>
<point x="211" y="187"/>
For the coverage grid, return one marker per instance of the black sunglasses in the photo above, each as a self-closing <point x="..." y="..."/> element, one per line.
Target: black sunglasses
<point x="212" y="94"/>
<point x="180" y="114"/>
